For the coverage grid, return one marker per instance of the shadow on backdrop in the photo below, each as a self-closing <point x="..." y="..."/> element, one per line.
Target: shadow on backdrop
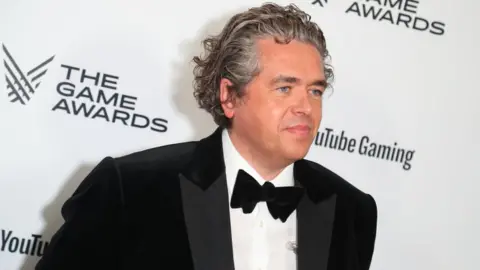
<point x="52" y="212"/>
<point x="201" y="122"/>
<point x="185" y="103"/>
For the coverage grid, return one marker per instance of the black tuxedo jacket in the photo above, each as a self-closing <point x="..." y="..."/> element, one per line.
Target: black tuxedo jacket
<point x="167" y="208"/>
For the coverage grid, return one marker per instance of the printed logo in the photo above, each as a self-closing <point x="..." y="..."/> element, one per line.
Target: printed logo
<point x="365" y="146"/>
<point x="95" y="95"/>
<point x="92" y="95"/>
<point x="30" y="246"/>
<point x="320" y="2"/>
<point x="22" y="85"/>
<point x="400" y="13"/>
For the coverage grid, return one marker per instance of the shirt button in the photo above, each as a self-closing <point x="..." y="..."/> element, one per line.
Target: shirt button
<point x="261" y="226"/>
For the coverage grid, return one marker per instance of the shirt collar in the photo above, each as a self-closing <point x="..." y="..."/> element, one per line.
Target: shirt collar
<point x="234" y="162"/>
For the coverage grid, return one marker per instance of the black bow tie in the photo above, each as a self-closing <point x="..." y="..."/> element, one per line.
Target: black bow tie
<point x="281" y="201"/>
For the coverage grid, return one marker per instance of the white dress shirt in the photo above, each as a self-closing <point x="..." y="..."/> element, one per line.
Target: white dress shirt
<point x="259" y="241"/>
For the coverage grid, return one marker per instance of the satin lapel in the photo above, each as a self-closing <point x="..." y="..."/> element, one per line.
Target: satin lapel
<point x="206" y="206"/>
<point x="314" y="232"/>
<point x="207" y="219"/>
<point x="315" y="217"/>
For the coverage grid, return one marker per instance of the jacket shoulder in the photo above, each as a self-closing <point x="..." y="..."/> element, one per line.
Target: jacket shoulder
<point x="171" y="157"/>
<point x="148" y="168"/>
<point x="151" y="172"/>
<point x="340" y="185"/>
<point x="363" y="204"/>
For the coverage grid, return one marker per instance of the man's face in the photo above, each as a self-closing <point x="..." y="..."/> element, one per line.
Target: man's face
<point x="282" y="108"/>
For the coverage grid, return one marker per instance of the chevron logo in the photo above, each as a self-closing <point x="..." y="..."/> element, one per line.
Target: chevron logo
<point x="320" y="2"/>
<point x="22" y="85"/>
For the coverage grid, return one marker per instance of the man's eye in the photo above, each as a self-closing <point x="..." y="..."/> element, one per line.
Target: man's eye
<point x="317" y="92"/>
<point x="283" y="89"/>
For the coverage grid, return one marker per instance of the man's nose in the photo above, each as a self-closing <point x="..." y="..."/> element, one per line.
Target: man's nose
<point x="302" y="104"/>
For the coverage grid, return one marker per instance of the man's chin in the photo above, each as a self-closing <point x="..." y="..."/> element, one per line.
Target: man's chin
<point x="296" y="148"/>
<point x="296" y="153"/>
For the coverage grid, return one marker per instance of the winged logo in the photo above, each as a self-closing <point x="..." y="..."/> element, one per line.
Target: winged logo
<point x="22" y="85"/>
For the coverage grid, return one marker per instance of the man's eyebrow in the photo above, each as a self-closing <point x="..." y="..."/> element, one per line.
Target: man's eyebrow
<point x="321" y="82"/>
<point x="285" y="79"/>
<point x="291" y="79"/>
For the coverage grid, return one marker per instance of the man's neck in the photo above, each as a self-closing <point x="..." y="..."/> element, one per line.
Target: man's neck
<point x="267" y="167"/>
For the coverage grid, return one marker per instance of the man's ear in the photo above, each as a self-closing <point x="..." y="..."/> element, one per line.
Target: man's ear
<point x="227" y="98"/>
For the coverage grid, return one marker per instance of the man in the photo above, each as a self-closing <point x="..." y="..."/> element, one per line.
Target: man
<point x="243" y="198"/>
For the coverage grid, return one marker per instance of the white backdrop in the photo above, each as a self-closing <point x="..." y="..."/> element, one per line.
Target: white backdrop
<point x="411" y="89"/>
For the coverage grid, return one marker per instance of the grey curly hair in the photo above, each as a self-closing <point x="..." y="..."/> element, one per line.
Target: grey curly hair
<point x="232" y="53"/>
